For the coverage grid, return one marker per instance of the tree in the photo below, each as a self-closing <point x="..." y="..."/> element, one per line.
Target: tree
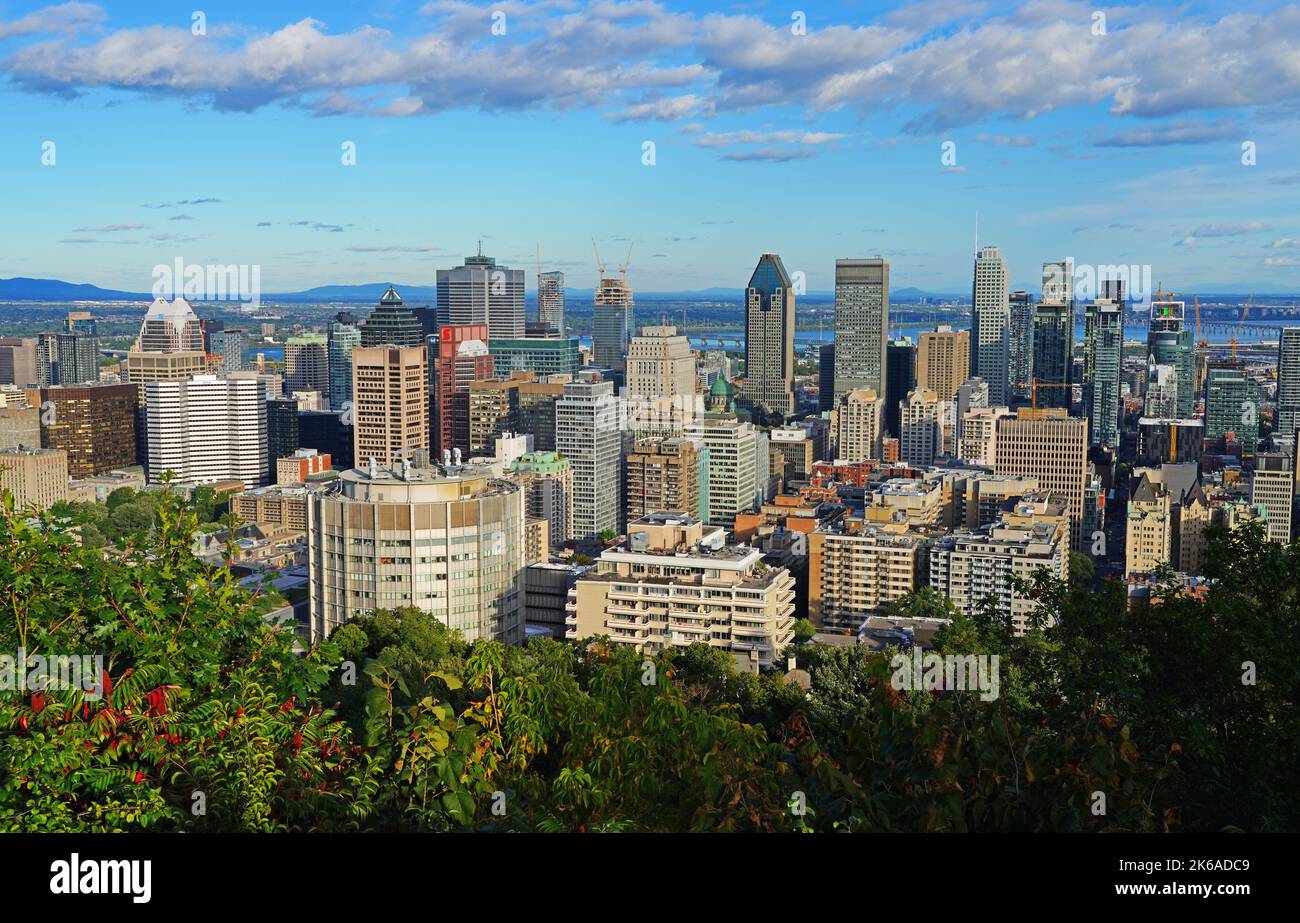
<point x="804" y="630"/>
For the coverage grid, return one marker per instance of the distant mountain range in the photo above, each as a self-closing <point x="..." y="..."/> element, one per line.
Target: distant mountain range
<point x="23" y="289"/>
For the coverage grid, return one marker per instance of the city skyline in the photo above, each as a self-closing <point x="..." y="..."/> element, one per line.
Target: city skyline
<point x="229" y="146"/>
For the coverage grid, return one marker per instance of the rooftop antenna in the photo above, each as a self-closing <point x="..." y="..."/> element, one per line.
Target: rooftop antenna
<point x="480" y="246"/>
<point x="977" y="232"/>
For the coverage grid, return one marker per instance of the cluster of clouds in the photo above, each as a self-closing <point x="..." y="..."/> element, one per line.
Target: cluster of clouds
<point x="1171" y="75"/>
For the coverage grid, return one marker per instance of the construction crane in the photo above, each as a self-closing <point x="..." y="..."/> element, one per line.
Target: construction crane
<point x="1035" y="384"/>
<point x="622" y="270"/>
<point x="600" y="267"/>
<point x="1200" y="343"/>
<point x="1240" y="325"/>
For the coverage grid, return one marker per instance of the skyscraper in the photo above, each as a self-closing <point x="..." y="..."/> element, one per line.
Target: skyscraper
<point x="481" y="292"/>
<point x="1232" y="405"/>
<point x="306" y="364"/>
<point x="858" y="418"/>
<point x="612" y="322"/>
<point x="391" y="323"/>
<point x="900" y="378"/>
<point x="550" y="300"/>
<point x="921" y="428"/>
<point x="1103" y="353"/>
<point x="732" y="466"/>
<point x="826" y="377"/>
<point x="1273" y="486"/>
<point x="207" y="429"/>
<point x="943" y="361"/>
<point x="1287" y="420"/>
<point x="1053" y="354"/>
<point x="1048" y="445"/>
<point x="67" y="358"/>
<point x="231" y="346"/>
<point x="991" y="323"/>
<point x="95" y="424"/>
<point x="170" y="327"/>
<point x="458" y="357"/>
<point x="18" y="361"/>
<point x="861" y="324"/>
<point x="390" y="401"/>
<point x="660" y="386"/>
<point x="344" y="336"/>
<point x="769" y="339"/>
<point x="587" y="434"/>
<point x="1171" y="344"/>
<point x="1020" y="344"/>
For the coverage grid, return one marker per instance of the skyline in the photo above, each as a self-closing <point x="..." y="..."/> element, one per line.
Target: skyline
<point x="227" y="147"/>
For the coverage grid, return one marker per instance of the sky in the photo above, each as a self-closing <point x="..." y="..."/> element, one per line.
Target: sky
<point x="700" y="136"/>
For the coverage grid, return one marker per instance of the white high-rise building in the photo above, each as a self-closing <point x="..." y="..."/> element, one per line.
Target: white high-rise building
<point x="991" y="325"/>
<point x="921" y="422"/>
<point x="661" y="383"/>
<point x="732" y="470"/>
<point x="207" y="429"/>
<point x="1273" y="487"/>
<point x="859" y="418"/>
<point x="587" y="434"/>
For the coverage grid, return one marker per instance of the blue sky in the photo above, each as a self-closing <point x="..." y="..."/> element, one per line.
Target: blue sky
<point x="226" y="147"/>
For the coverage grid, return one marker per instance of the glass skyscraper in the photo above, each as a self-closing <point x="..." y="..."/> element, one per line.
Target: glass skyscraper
<point x="769" y="339"/>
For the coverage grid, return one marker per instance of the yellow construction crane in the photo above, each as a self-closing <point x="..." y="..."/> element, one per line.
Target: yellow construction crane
<point x="1241" y="324"/>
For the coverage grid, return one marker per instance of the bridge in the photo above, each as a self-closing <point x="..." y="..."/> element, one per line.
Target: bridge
<point x="717" y="342"/>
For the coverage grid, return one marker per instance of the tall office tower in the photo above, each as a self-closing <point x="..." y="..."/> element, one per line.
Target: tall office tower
<point x="67" y="359"/>
<point x="1162" y="392"/>
<point x="458" y="357"/>
<point x="858" y="420"/>
<point x="169" y="346"/>
<point x="587" y="434"/>
<point x="210" y="327"/>
<point x="1051" y="446"/>
<point x="38" y="478"/>
<point x="391" y="323"/>
<point x="550" y="300"/>
<point x="390" y="402"/>
<point x="1273" y="487"/>
<point x="1287" y="420"/>
<point x="1170" y="343"/>
<point x="1149" y="531"/>
<point x="612" y="320"/>
<point x="943" y="361"/>
<point x="900" y="378"/>
<point x="991" y="323"/>
<point x="1103" y="361"/>
<point x="82" y="322"/>
<point x="481" y="292"/>
<point x="1232" y="405"/>
<point x="1053" y="354"/>
<point x="94" y="424"/>
<point x="342" y="337"/>
<point x="306" y="364"/>
<point x="461" y="536"/>
<point x="493" y="412"/>
<point x="826" y="377"/>
<point x="861" y="324"/>
<point x="856" y="570"/>
<point x="921" y="427"/>
<point x="232" y="346"/>
<point x="206" y="429"/>
<point x="1020" y="344"/>
<point x="663" y="476"/>
<point x="283" y="433"/>
<point x="18" y="361"/>
<point x="675" y="583"/>
<point x="732" y="476"/>
<point x="170" y="327"/>
<point x="546" y="479"/>
<point x="537" y="411"/>
<point x="769" y="339"/>
<point x="660" y="385"/>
